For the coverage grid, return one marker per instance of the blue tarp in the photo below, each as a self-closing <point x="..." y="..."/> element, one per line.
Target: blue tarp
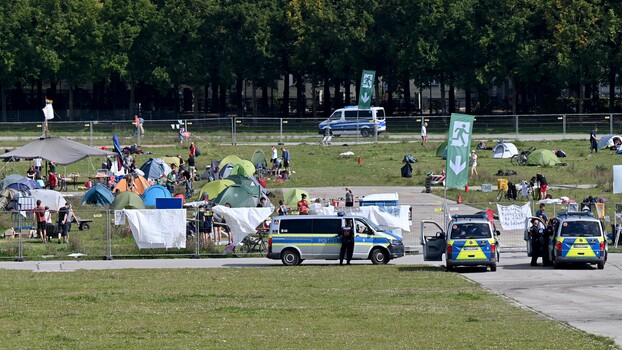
<point x="153" y="192"/>
<point x="98" y="195"/>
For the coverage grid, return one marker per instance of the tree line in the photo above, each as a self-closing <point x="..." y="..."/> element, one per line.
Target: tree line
<point x="555" y="54"/>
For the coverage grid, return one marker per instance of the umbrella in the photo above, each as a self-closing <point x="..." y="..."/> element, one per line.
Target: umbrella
<point x="214" y="188"/>
<point x="292" y="196"/>
<point x="127" y="200"/>
<point x="13" y="178"/>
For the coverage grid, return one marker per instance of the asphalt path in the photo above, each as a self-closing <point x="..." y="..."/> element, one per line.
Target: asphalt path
<point x="583" y="296"/>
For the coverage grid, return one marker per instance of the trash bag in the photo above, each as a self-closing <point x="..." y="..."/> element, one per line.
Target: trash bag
<point x="407" y="170"/>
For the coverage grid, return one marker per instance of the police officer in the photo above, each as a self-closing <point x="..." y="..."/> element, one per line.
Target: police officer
<point x="347" y="242"/>
<point x="535" y="235"/>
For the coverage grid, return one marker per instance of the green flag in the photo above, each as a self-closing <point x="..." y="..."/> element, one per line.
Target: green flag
<point x="458" y="147"/>
<point x="367" y="88"/>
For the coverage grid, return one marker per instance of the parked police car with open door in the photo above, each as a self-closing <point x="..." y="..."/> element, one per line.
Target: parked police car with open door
<point x="470" y="240"/>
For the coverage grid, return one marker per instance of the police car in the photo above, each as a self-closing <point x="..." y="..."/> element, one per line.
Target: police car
<point x="577" y="238"/>
<point x="470" y="240"/>
<point x="351" y="120"/>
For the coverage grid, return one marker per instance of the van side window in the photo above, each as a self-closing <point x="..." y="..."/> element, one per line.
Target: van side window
<point x="296" y="226"/>
<point x="335" y="116"/>
<point x="327" y="226"/>
<point x="363" y="115"/>
<point x="380" y="113"/>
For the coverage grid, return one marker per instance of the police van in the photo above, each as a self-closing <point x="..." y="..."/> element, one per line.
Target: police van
<point x="577" y="238"/>
<point x="350" y="120"/>
<point x="295" y="238"/>
<point x="470" y="240"/>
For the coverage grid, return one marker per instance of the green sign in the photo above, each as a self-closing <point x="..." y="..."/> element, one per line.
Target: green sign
<point x="458" y="146"/>
<point x="367" y="88"/>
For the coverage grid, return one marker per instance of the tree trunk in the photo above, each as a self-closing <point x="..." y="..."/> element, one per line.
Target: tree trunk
<point x="406" y="86"/>
<point x="215" y="107"/>
<point x="314" y="97"/>
<point x="254" y="95"/>
<point x="612" y="88"/>
<point x="467" y="101"/>
<point x="285" y="104"/>
<point x="40" y="97"/>
<point x="348" y="91"/>
<point x="338" y="96"/>
<point x="239" y="86"/>
<point x="195" y="101"/>
<point x="265" y="105"/>
<point x="327" y="105"/>
<point x="70" y="116"/>
<point x="581" y="89"/>
<point x="3" y="101"/>
<point x="300" y="95"/>
<point x="452" y="98"/>
<point x="443" y="105"/>
<point x="132" y="92"/>
<point x="222" y="99"/>
<point x="514" y="95"/>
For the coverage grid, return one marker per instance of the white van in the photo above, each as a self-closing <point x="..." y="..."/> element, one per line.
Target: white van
<point x="350" y="120"/>
<point x="294" y="238"/>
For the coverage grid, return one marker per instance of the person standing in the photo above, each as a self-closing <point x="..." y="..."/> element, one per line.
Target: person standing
<point x="171" y="178"/>
<point x="282" y="210"/>
<point x="41" y="222"/>
<point x="347" y="242"/>
<point x="541" y="213"/>
<point x="273" y="156"/>
<point x="593" y="141"/>
<point x="303" y="205"/>
<point x="71" y="217"/>
<point x="191" y="165"/>
<point x="535" y="236"/>
<point x="543" y="185"/>
<point x="38" y="164"/>
<point x="349" y="198"/>
<point x="424" y="133"/>
<point x="52" y="180"/>
<point x="286" y="160"/>
<point x="473" y="161"/>
<point x="63" y="226"/>
<point x="193" y="149"/>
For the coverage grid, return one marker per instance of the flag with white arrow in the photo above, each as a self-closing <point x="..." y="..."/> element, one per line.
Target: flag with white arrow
<point x="366" y="89"/>
<point x="458" y="148"/>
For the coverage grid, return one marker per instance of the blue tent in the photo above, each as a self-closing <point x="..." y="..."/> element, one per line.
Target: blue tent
<point x="98" y="195"/>
<point x="155" y="168"/>
<point x="153" y="192"/>
<point x="25" y="184"/>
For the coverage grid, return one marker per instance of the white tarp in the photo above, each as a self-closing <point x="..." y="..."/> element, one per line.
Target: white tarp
<point x="155" y="228"/>
<point x="242" y="221"/>
<point x="512" y="217"/>
<point x="385" y="217"/>
<point x="49" y="198"/>
<point x="318" y="209"/>
<point x="617" y="179"/>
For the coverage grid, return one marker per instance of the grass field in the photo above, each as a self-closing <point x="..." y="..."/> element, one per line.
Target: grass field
<point x="315" y="307"/>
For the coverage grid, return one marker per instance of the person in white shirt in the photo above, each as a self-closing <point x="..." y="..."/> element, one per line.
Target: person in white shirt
<point x="274" y="156"/>
<point x="424" y="133"/>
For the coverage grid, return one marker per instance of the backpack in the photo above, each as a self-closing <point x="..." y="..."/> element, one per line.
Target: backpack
<point x="197" y="152"/>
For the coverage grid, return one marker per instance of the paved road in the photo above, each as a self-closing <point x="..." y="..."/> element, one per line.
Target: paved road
<point x="583" y="296"/>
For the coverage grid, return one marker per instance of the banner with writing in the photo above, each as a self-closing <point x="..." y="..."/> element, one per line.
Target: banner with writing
<point x="512" y="217"/>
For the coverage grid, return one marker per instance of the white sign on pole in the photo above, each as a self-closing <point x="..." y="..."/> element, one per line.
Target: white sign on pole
<point x="617" y="179"/>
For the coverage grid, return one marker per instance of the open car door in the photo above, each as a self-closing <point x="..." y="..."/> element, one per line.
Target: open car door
<point x="433" y="241"/>
<point x="526" y="232"/>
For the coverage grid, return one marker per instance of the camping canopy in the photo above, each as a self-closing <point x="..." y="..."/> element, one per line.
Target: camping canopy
<point x="155" y="168"/>
<point x="153" y="192"/>
<point x="57" y="149"/>
<point x="292" y="196"/>
<point x="214" y="188"/>
<point x="542" y="157"/>
<point x="98" y="195"/>
<point x="127" y="200"/>
<point x="504" y="150"/>
<point x="608" y="141"/>
<point x="239" y="196"/>
<point x="140" y="184"/>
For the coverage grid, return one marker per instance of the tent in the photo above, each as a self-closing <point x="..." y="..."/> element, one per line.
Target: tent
<point x="225" y="170"/>
<point x="542" y="157"/>
<point x="248" y="167"/>
<point x="155" y="168"/>
<point x="259" y="159"/>
<point x="13" y="178"/>
<point x="52" y="199"/>
<point x="292" y="196"/>
<point x="171" y="160"/>
<point x="214" y="188"/>
<point x="140" y="183"/>
<point x="57" y="149"/>
<point x="244" y="180"/>
<point x="609" y="141"/>
<point x="127" y="200"/>
<point x="98" y="195"/>
<point x="25" y="184"/>
<point x="153" y="192"/>
<point x="211" y="171"/>
<point x="441" y="151"/>
<point x="232" y="159"/>
<point x="6" y="196"/>
<point x="239" y="196"/>
<point x="504" y="150"/>
<point x="238" y="169"/>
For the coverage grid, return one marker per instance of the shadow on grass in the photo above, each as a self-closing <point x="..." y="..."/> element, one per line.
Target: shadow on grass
<point x="420" y="268"/>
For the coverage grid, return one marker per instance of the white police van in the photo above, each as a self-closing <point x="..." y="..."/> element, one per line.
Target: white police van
<point x="350" y="120"/>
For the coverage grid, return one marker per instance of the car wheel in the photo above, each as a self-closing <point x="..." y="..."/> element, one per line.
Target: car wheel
<point x="448" y="267"/>
<point x="493" y="267"/>
<point x="379" y="257"/>
<point x="365" y="133"/>
<point x="290" y="257"/>
<point x="601" y="265"/>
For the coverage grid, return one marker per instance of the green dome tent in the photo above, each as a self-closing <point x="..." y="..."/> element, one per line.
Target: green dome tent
<point x="239" y="196"/>
<point x="127" y="200"/>
<point x="292" y="196"/>
<point x="440" y="151"/>
<point x="259" y="159"/>
<point x="214" y="188"/>
<point x="542" y="157"/>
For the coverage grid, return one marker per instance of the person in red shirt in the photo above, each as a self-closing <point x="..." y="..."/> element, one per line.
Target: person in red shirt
<point x="39" y="211"/>
<point x="52" y="180"/>
<point x="303" y="205"/>
<point x="193" y="150"/>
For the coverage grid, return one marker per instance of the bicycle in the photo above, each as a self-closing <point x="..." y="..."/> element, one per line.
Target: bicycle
<point x="521" y="158"/>
<point x="253" y="243"/>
